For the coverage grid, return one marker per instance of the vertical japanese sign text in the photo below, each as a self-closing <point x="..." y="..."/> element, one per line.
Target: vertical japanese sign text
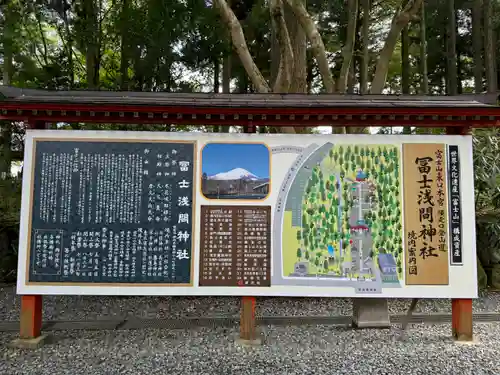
<point x="425" y="211"/>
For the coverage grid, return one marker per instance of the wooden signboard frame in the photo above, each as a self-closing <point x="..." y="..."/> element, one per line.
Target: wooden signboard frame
<point x="457" y="114"/>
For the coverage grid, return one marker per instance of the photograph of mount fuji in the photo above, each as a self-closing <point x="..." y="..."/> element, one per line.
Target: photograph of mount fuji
<point x="235" y="171"/>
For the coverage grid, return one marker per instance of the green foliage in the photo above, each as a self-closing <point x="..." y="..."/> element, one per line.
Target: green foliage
<point x="10" y="206"/>
<point x="172" y="45"/>
<point x="487" y="195"/>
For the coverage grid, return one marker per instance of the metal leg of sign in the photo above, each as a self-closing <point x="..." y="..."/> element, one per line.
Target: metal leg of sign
<point x="248" y="327"/>
<point x="370" y="313"/>
<point x="31" y="323"/>
<point x="461" y="319"/>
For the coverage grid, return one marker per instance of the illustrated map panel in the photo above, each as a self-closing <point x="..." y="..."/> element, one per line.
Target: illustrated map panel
<point x="235" y="246"/>
<point x="112" y="212"/>
<point x="342" y="215"/>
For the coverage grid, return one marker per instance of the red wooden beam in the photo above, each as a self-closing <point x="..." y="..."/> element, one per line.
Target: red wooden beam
<point x="347" y="110"/>
<point x="281" y="120"/>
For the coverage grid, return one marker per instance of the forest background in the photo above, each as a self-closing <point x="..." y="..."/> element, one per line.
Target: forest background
<point x="430" y="47"/>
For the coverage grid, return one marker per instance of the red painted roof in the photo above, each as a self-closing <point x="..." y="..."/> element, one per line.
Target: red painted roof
<point x="248" y="109"/>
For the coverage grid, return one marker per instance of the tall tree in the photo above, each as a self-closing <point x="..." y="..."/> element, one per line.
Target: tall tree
<point x="365" y="40"/>
<point x="91" y="39"/>
<point x="451" y="43"/>
<point x="306" y="21"/>
<point x="477" y="43"/>
<point x="405" y="66"/>
<point x="124" y="44"/>
<point x="489" y="47"/>
<point x="299" y="48"/>
<point x="10" y="16"/>
<point x="405" y="60"/>
<point x="399" y="21"/>
<point x="424" y="80"/>
<point x="348" y="49"/>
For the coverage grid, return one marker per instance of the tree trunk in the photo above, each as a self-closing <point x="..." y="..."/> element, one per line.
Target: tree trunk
<point x="226" y="74"/>
<point x="283" y="80"/>
<point x="405" y="61"/>
<point x="308" y="25"/>
<point x="477" y="45"/>
<point x="298" y="42"/>
<point x="6" y="126"/>
<point x="5" y="149"/>
<point x="351" y="77"/>
<point x="363" y="69"/>
<point x="348" y="50"/>
<point x="69" y="46"/>
<point x="216" y="64"/>
<point x="317" y="45"/>
<point x="399" y="21"/>
<point x="216" y="84"/>
<point x="8" y="70"/>
<point x="459" y="72"/>
<point x="226" y="82"/>
<point x="124" y="61"/>
<point x="357" y="61"/>
<point x="424" y="80"/>
<point x="92" y="52"/>
<point x="242" y="87"/>
<point x="451" y="43"/>
<point x="405" y="67"/>
<point x="275" y="57"/>
<point x="299" y="48"/>
<point x="291" y="74"/>
<point x="241" y="47"/>
<point x="310" y="73"/>
<point x="489" y="48"/>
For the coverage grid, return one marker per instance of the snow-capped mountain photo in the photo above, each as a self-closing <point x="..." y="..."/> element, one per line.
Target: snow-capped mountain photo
<point x="235" y="171"/>
<point x="235" y="174"/>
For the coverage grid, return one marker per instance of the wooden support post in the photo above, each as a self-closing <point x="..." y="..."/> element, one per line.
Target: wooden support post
<point x="31" y="317"/>
<point x="461" y="309"/>
<point x="30" y="335"/>
<point x="461" y="318"/>
<point x="248" y="331"/>
<point x="30" y="330"/>
<point x="248" y="326"/>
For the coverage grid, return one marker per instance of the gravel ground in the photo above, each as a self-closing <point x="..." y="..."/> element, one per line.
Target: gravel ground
<point x="286" y="350"/>
<point x="91" y="308"/>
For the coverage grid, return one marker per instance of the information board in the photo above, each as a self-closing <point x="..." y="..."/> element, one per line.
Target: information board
<point x="143" y="213"/>
<point x="112" y="212"/>
<point x="235" y="246"/>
